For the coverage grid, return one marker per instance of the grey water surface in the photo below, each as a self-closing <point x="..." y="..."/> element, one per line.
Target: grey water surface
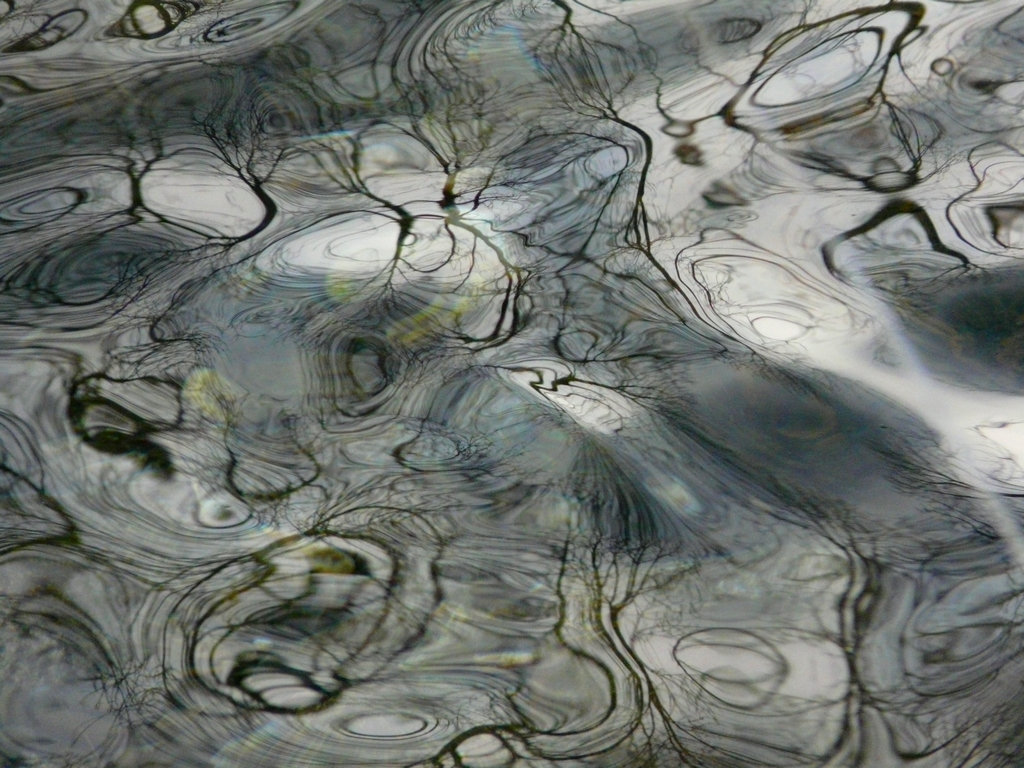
<point x="526" y="383"/>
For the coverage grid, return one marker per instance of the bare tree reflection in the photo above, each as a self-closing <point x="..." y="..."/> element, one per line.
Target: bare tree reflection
<point x="468" y="384"/>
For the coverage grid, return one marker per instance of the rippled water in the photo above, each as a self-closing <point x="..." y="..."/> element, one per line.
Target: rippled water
<point x="530" y="383"/>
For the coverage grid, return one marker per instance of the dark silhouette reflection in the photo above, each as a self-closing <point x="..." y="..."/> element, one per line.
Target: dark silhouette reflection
<point x="481" y="384"/>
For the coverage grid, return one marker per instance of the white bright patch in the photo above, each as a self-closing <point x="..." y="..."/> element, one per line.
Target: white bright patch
<point x="594" y="408"/>
<point x="830" y="67"/>
<point x="777" y="328"/>
<point x="196" y="190"/>
<point x="353" y="247"/>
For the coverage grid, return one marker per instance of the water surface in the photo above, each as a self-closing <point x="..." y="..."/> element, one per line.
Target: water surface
<point x="534" y="383"/>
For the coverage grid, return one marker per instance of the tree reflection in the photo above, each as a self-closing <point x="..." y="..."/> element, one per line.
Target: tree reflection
<point x="458" y="385"/>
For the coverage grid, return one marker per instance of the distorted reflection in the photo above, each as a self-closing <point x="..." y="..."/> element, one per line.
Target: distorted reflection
<point x="496" y="383"/>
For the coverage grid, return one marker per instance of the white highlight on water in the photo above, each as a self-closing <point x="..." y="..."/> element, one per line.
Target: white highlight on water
<point x="904" y="377"/>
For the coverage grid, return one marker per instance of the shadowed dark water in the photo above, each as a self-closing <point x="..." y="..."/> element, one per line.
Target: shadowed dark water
<point x="511" y="384"/>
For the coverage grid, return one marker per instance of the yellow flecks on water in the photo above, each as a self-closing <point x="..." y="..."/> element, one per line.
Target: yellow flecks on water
<point x="435" y="316"/>
<point x="339" y="288"/>
<point x="443" y="313"/>
<point x="246" y="282"/>
<point x="212" y="394"/>
<point x="328" y="560"/>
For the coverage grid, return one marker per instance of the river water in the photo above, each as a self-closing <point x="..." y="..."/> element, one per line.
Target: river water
<point x="520" y="383"/>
